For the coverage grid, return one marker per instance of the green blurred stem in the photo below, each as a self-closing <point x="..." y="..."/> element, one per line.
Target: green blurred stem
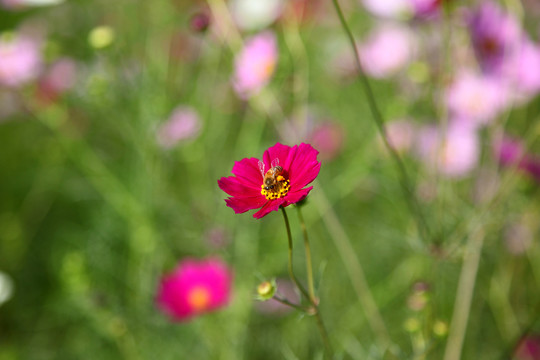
<point x="314" y="307"/>
<point x="405" y="182"/>
<point x="309" y="268"/>
<point x="288" y="303"/>
<point x="464" y="294"/>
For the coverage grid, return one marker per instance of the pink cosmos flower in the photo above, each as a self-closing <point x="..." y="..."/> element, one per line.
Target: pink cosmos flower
<point x="522" y="70"/>
<point x="193" y="288"/>
<point x="20" y="60"/>
<point x="278" y="180"/>
<point x="328" y="138"/>
<point x="255" y="64"/>
<point x="454" y="153"/>
<point x="387" y="39"/>
<point x="183" y="124"/>
<point x="511" y="152"/>
<point x="494" y="34"/>
<point x="478" y="98"/>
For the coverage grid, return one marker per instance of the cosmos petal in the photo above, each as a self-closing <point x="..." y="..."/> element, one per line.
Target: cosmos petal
<point x="284" y="154"/>
<point x="243" y="204"/>
<point x="304" y="167"/>
<point x="270" y="206"/>
<point x="248" y="172"/>
<point x="232" y="186"/>
<point x="294" y="197"/>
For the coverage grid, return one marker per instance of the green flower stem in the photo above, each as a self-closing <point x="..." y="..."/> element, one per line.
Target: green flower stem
<point x="314" y="306"/>
<point x="379" y="122"/>
<point x="309" y="268"/>
<point x="288" y="303"/>
<point x="464" y="294"/>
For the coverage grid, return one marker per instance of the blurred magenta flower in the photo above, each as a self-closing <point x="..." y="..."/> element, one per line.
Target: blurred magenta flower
<point x="20" y="59"/>
<point x="193" y="288"/>
<point x="425" y="9"/>
<point x="328" y="139"/>
<point x="384" y="40"/>
<point x="183" y="124"/>
<point x="475" y="97"/>
<point x="511" y="152"/>
<point x="528" y="348"/>
<point x="494" y="35"/>
<point x="255" y="64"/>
<point x="453" y="152"/>
<point x="278" y="180"/>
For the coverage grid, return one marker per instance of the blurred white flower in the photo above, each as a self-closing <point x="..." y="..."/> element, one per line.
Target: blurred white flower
<point x="255" y="14"/>
<point x="394" y="9"/>
<point x="6" y="287"/>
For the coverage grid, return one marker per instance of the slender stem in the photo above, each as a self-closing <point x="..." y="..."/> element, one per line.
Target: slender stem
<point x="309" y="268"/>
<point x="314" y="306"/>
<point x="464" y="294"/>
<point x="379" y="122"/>
<point x="288" y="303"/>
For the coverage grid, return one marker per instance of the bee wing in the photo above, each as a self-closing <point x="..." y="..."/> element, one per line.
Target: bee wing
<point x="275" y="162"/>
<point x="261" y="168"/>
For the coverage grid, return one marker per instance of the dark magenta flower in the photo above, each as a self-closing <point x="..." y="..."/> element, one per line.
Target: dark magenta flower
<point x="193" y="288"/>
<point x="278" y="180"/>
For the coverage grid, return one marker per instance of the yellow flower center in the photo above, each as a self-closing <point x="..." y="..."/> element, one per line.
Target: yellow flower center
<point x="199" y="298"/>
<point x="275" y="188"/>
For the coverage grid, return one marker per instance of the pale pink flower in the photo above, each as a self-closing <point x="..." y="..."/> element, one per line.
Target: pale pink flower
<point x="387" y="50"/>
<point x="522" y="70"/>
<point x="475" y="97"/>
<point x="20" y="60"/>
<point x="183" y="124"/>
<point x="193" y="288"/>
<point x="328" y="139"/>
<point x="400" y="134"/>
<point x="59" y="78"/>
<point x="453" y="153"/>
<point x="255" y="64"/>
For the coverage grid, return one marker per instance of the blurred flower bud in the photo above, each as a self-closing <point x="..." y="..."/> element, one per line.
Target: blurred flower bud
<point x="440" y="328"/>
<point x="199" y="22"/>
<point x="266" y="290"/>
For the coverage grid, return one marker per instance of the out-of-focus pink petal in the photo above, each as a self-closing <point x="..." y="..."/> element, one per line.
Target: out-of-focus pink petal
<point x="233" y="187"/>
<point x="305" y="167"/>
<point x="283" y="153"/>
<point x="248" y="172"/>
<point x="243" y="204"/>
<point x="269" y="207"/>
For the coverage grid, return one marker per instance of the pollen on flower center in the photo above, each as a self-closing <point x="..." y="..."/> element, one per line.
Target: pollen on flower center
<point x="275" y="188"/>
<point x="199" y="298"/>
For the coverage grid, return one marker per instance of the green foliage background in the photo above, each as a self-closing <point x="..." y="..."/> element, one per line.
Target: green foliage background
<point x="93" y="212"/>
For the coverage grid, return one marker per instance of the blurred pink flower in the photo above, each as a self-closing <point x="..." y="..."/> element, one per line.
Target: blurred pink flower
<point x="528" y="348"/>
<point x="255" y="64"/>
<point x="494" y="35"/>
<point x="59" y="78"/>
<point x="387" y="39"/>
<point x="400" y="134"/>
<point x="193" y="288"/>
<point x="425" y="9"/>
<point x="477" y="98"/>
<point x="328" y="139"/>
<point x="522" y="70"/>
<point x="453" y="153"/>
<point x="183" y="124"/>
<point x="20" y="60"/>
